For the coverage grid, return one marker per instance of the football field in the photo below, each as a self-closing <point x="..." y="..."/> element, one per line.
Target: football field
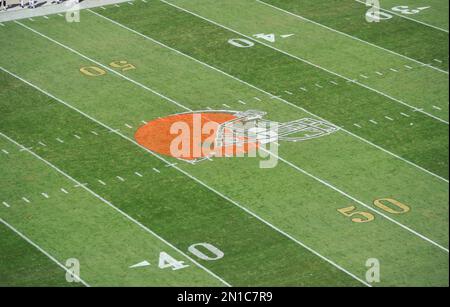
<point x="90" y="196"/>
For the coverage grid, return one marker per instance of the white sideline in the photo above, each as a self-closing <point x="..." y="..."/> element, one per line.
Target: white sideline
<point x="110" y="204"/>
<point x="416" y="109"/>
<point x="43" y="251"/>
<point x="351" y="36"/>
<point x="189" y="176"/>
<point x="267" y="93"/>
<point x="411" y="19"/>
<point x="188" y="109"/>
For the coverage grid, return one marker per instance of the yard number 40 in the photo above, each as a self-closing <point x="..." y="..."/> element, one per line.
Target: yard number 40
<point x="388" y="205"/>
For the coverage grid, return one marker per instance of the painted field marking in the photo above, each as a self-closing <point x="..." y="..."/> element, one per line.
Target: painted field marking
<point x="389" y="118"/>
<point x="6" y="204"/>
<point x="408" y="67"/>
<point x="404" y="114"/>
<point x="364" y="76"/>
<point x="26" y="149"/>
<point x="289" y="93"/>
<point x="438" y="61"/>
<point x="379" y="73"/>
<point x="128" y="126"/>
<point x="145" y="1"/>
<point x="103" y="8"/>
<point x="180" y="170"/>
<point x="309" y="63"/>
<point x="267" y="93"/>
<point x="138" y="174"/>
<point x="101" y="182"/>
<point x="45" y="195"/>
<point x="373" y="122"/>
<point x="156" y="170"/>
<point x="187" y="174"/>
<point x="226" y="106"/>
<point x="356" y="125"/>
<point x="225" y="197"/>
<point x="257" y="98"/>
<point x="120" y="178"/>
<point x="356" y="200"/>
<point x="45" y="17"/>
<point x="60" y="15"/>
<point x="144" y="122"/>
<point x="241" y="102"/>
<point x="437" y="108"/>
<point x="232" y="201"/>
<point x="405" y="17"/>
<point x="94" y="133"/>
<point x="334" y="82"/>
<point x="130" y="3"/>
<point x="30" y="19"/>
<point x="80" y="185"/>
<point x="318" y="85"/>
<point x="115" y="208"/>
<point x="64" y="191"/>
<point x="77" y="136"/>
<point x="42" y="144"/>
<point x="303" y="89"/>
<point x="393" y="69"/>
<point x="26" y="200"/>
<point x="116" y="5"/>
<point x="5" y="151"/>
<point x="348" y="35"/>
<point x="44" y="252"/>
<point x="2" y="24"/>
<point x="59" y="140"/>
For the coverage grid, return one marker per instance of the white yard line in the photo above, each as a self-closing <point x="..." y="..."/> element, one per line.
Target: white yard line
<point x="356" y="200"/>
<point x="43" y="251"/>
<point x="183" y="172"/>
<point x="310" y="63"/>
<point x="350" y="36"/>
<point x="6" y="204"/>
<point x="271" y="95"/>
<point x="225" y="197"/>
<point x="405" y="17"/>
<point x="64" y="191"/>
<point x="115" y="208"/>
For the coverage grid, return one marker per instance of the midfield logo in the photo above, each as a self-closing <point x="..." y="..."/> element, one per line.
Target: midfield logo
<point x="203" y="135"/>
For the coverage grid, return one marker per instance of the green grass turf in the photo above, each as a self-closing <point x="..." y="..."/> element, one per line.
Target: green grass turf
<point x="436" y="15"/>
<point x="397" y="34"/>
<point x="425" y="142"/>
<point x="74" y="224"/>
<point x="330" y="239"/>
<point x="22" y="265"/>
<point x="169" y="203"/>
<point x="418" y="86"/>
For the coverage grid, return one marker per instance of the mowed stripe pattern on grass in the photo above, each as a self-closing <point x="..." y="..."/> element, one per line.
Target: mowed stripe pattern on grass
<point x="172" y="204"/>
<point x="122" y="87"/>
<point x="415" y="136"/>
<point x="399" y="34"/>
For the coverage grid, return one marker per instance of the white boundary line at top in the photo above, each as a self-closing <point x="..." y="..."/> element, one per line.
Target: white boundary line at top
<point x="279" y="99"/>
<point x="352" y="37"/>
<point x="107" y="202"/>
<point x="189" y="176"/>
<point x="43" y="251"/>
<point x="186" y="108"/>
<point x="409" y="18"/>
<point x="415" y="109"/>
